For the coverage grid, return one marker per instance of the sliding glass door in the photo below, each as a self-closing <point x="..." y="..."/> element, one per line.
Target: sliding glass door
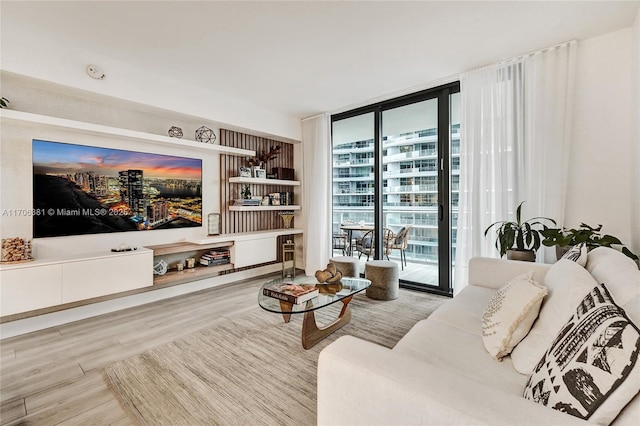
<point x="394" y="177"/>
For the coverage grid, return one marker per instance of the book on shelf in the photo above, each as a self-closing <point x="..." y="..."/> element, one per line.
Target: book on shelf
<point x="291" y="292"/>
<point x="247" y="202"/>
<point x="215" y="255"/>
<point x="214" y="262"/>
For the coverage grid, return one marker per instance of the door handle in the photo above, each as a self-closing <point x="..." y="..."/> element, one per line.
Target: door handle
<point x="440" y="212"/>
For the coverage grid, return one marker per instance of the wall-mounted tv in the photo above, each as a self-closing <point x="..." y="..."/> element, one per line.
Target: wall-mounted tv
<point x="80" y="189"/>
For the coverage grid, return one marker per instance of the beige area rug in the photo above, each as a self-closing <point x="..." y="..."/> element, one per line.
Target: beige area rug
<point x="250" y="370"/>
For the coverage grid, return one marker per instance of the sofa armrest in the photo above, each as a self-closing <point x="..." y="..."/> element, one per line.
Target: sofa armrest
<point x="362" y="383"/>
<point x="494" y="273"/>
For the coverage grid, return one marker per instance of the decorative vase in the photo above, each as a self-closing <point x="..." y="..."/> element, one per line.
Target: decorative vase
<point x="523" y="255"/>
<point x="286" y="219"/>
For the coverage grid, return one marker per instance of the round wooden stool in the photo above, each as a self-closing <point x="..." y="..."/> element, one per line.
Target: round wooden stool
<point x="383" y="274"/>
<point x="349" y="266"/>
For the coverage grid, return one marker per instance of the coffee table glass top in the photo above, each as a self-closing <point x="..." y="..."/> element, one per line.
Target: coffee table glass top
<point x="329" y="294"/>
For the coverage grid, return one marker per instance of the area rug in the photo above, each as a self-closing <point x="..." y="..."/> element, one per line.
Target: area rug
<point x="250" y="370"/>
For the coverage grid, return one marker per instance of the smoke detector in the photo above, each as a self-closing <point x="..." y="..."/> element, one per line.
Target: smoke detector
<point x="95" y="72"/>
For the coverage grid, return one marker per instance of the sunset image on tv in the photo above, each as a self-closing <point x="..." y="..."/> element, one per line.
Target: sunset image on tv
<point x="80" y="189"/>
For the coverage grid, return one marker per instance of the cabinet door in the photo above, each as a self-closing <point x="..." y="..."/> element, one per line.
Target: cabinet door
<point x="27" y="289"/>
<point x="253" y="252"/>
<point x="100" y="277"/>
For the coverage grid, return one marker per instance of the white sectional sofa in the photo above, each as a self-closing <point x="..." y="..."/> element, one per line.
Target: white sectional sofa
<point x="440" y="373"/>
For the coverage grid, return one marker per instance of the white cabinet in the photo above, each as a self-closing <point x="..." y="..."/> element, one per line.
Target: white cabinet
<point x="253" y="252"/>
<point x="109" y="275"/>
<point x="28" y="289"/>
<point x="45" y="283"/>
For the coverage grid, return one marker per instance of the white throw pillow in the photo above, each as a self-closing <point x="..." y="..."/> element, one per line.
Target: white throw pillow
<point x="567" y="283"/>
<point x="578" y="254"/>
<point x="591" y="369"/>
<point x="510" y="313"/>
<point x="617" y="270"/>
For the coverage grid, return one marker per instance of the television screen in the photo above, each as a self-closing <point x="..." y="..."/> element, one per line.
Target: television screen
<point x="80" y="189"/>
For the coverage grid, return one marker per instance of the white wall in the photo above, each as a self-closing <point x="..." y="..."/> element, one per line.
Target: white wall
<point x="635" y="178"/>
<point x="16" y="164"/>
<point x="602" y="161"/>
<point x="48" y="56"/>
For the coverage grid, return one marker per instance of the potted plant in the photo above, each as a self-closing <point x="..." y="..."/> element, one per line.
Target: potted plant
<point x="519" y="240"/>
<point x="563" y="239"/>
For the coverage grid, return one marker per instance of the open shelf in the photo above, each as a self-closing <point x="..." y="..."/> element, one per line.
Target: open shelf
<point x="190" y="274"/>
<point x="98" y="129"/>
<point x="261" y="181"/>
<point x="182" y="247"/>
<point x="196" y="249"/>
<point x="261" y="208"/>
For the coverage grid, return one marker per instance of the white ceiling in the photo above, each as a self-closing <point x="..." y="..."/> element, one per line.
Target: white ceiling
<point x="302" y="58"/>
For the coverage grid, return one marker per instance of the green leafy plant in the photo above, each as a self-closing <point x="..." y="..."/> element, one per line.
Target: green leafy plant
<point x="4" y="102"/>
<point x="519" y="235"/>
<point x="589" y="235"/>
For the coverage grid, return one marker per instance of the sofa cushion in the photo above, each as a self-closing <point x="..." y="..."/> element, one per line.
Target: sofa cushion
<point x="465" y="310"/>
<point x="590" y="370"/>
<point x="510" y="314"/>
<point x="617" y="271"/>
<point x="578" y="254"/>
<point x="567" y="284"/>
<point x="453" y="349"/>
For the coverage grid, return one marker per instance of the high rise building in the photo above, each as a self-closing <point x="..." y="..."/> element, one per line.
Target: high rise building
<point x="131" y="191"/>
<point x="410" y="186"/>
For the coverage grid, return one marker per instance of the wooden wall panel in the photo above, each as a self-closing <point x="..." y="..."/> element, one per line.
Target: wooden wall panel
<point x="233" y="221"/>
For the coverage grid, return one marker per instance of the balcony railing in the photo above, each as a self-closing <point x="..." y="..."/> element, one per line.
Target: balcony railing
<point x="411" y="188"/>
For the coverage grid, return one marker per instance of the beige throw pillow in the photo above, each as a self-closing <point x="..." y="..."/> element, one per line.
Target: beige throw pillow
<point x="510" y="314"/>
<point x="567" y="283"/>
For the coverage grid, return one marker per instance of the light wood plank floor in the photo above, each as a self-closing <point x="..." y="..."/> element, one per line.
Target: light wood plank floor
<point x="53" y="376"/>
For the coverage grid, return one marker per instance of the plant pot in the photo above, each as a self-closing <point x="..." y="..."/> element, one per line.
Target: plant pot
<point x="561" y="250"/>
<point x="523" y="255"/>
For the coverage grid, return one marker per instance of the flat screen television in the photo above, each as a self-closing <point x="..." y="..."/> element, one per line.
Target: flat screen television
<point x="80" y="189"/>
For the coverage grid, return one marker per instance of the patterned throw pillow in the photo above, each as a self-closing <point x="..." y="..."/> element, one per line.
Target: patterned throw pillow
<point x="578" y="254"/>
<point x="510" y="313"/>
<point x="591" y="369"/>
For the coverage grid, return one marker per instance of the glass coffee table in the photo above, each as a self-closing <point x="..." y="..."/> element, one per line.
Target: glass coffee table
<point x="329" y="294"/>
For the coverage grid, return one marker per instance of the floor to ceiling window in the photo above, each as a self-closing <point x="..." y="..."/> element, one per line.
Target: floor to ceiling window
<point x="395" y="171"/>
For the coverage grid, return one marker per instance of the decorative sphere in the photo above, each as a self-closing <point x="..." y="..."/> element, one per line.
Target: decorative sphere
<point x="205" y="135"/>
<point x="175" y="132"/>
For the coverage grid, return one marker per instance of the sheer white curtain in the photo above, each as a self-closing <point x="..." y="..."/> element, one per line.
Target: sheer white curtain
<point x="515" y="136"/>
<point x="316" y="201"/>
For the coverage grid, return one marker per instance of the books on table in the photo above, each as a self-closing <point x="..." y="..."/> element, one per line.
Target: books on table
<point x="291" y="292"/>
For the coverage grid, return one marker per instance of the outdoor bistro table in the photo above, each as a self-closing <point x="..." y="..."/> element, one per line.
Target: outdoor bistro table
<point x="350" y="227"/>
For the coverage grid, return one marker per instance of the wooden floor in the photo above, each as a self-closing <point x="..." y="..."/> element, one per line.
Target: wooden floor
<point x="53" y="376"/>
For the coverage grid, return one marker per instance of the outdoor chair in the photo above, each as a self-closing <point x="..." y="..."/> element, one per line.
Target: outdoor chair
<point x="400" y="241"/>
<point x="340" y="243"/>
<point x="366" y="244"/>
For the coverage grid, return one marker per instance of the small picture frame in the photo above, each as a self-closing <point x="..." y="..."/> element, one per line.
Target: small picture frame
<point x="245" y="172"/>
<point x="213" y="224"/>
<point x="261" y="173"/>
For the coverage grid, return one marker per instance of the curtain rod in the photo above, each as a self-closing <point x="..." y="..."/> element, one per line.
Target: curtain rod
<point x="314" y="116"/>
<point x="517" y="58"/>
<point x="537" y="52"/>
